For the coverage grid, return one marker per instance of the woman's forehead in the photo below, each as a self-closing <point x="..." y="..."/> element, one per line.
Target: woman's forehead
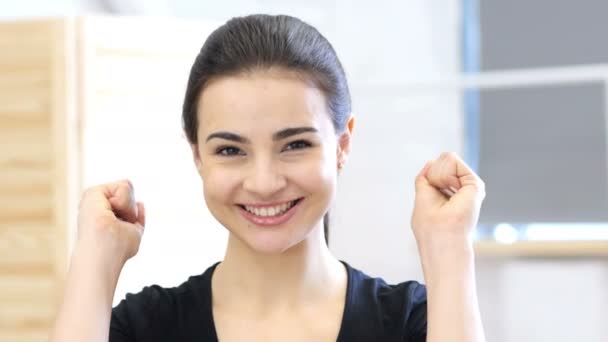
<point x="261" y="100"/>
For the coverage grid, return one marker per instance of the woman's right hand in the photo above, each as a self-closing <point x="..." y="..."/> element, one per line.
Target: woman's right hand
<point x="110" y="221"/>
<point x="110" y="227"/>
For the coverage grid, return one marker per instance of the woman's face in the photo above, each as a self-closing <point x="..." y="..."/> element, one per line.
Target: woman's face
<point x="268" y="153"/>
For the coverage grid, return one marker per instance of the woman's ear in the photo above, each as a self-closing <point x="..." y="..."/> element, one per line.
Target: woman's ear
<point x="344" y="142"/>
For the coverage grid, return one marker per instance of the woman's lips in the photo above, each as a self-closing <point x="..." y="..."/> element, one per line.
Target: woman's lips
<point x="269" y="221"/>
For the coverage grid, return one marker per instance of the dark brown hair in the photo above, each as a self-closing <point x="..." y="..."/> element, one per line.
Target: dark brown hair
<point x="259" y="42"/>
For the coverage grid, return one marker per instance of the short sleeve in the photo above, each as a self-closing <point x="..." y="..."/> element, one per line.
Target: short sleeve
<point x="119" y="324"/>
<point x="417" y="307"/>
<point x="139" y="315"/>
<point x="160" y="314"/>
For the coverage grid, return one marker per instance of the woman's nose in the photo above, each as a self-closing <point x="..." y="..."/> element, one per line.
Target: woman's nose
<point x="264" y="179"/>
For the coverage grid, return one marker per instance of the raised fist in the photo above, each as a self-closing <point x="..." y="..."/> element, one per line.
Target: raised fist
<point x="448" y="199"/>
<point x="110" y="220"/>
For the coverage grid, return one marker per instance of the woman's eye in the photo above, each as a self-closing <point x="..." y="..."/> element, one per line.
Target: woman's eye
<point x="228" y="151"/>
<point x="297" y="145"/>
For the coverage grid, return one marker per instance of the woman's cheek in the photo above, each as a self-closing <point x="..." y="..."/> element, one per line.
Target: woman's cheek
<point x="220" y="182"/>
<point x="315" y="172"/>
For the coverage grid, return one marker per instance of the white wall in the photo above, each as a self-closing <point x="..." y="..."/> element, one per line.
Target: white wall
<point x="399" y="127"/>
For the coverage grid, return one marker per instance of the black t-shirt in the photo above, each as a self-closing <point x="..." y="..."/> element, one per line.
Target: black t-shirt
<point x="374" y="311"/>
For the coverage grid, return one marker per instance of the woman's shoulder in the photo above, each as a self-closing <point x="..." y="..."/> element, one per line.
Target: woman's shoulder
<point x="157" y="309"/>
<point x="392" y="310"/>
<point x="155" y="296"/>
<point x="378" y="288"/>
<point x="364" y="278"/>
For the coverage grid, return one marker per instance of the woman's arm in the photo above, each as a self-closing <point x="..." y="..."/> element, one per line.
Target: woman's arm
<point x="110" y="225"/>
<point x="448" y="200"/>
<point x="452" y="307"/>
<point x="87" y="303"/>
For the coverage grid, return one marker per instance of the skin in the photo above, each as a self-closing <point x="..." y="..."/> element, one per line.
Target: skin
<point x="278" y="283"/>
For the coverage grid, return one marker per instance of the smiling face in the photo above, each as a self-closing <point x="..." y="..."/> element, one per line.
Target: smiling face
<point x="267" y="152"/>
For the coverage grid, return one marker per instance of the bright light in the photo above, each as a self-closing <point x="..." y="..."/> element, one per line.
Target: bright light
<point x="505" y="233"/>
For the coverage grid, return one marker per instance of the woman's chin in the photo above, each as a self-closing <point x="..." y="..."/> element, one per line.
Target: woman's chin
<point x="271" y="245"/>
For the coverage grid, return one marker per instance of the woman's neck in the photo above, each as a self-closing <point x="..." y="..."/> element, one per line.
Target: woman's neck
<point x="306" y="272"/>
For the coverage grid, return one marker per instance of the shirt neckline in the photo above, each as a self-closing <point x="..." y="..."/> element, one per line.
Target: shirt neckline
<point x="345" y="312"/>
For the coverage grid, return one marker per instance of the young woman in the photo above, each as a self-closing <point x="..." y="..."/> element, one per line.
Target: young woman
<point x="267" y="112"/>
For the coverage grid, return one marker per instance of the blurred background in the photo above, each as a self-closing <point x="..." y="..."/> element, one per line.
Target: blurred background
<point x="91" y="91"/>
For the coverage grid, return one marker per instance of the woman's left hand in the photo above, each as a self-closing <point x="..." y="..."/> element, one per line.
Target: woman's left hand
<point x="446" y="210"/>
<point x="448" y="199"/>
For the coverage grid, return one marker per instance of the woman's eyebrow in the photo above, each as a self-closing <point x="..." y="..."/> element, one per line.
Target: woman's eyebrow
<point x="228" y="136"/>
<point x="288" y="132"/>
<point x="280" y="135"/>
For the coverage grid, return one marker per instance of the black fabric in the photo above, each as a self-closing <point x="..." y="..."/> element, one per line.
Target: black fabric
<point x="374" y="311"/>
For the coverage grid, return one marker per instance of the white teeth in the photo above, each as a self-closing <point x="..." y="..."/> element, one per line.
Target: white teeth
<point x="270" y="211"/>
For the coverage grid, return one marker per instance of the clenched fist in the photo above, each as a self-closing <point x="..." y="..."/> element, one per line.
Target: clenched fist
<point x="111" y="221"/>
<point x="448" y="200"/>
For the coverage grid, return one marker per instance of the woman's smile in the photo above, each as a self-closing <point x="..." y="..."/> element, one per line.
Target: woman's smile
<point x="269" y="215"/>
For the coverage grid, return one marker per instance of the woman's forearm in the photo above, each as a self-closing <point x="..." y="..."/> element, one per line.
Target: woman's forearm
<point x="87" y="304"/>
<point x="453" y="309"/>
